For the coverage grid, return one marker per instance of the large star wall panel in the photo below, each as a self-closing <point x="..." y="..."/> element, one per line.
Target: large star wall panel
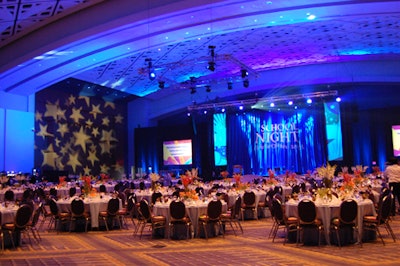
<point x="80" y="128"/>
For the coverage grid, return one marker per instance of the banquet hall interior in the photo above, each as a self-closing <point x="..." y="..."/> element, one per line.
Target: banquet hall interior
<point x="201" y="101"/>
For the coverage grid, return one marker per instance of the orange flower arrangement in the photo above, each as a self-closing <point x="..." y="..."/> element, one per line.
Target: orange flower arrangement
<point x="348" y="183"/>
<point x="189" y="194"/>
<point x="186" y="181"/>
<point x="87" y="184"/>
<point x="61" y="181"/>
<point x="237" y="178"/>
<point x="272" y="181"/>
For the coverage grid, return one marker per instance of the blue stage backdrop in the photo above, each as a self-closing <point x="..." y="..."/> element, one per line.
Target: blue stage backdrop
<point x="292" y="140"/>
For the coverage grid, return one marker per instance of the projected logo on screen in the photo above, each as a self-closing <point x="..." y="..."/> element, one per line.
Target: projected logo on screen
<point x="396" y="140"/>
<point x="177" y="152"/>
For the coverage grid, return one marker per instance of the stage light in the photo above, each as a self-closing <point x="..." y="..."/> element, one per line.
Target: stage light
<point x="188" y="114"/>
<point x="338" y="99"/>
<point x="152" y="74"/>
<point x="208" y="88"/>
<point x="223" y="110"/>
<point x="161" y="84"/>
<point x="271" y="105"/>
<point x="309" y="101"/>
<point x="205" y="112"/>
<point x="211" y="66"/>
<point x="246" y="83"/>
<point x="244" y="73"/>
<point x="230" y="85"/>
<point x="290" y="103"/>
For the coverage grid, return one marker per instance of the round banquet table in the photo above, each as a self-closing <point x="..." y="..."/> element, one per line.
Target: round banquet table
<point x="327" y="211"/>
<point x="193" y="208"/>
<point x="93" y="205"/>
<point x="7" y="215"/>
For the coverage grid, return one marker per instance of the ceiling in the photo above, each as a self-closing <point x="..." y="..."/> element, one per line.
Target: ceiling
<point x="281" y="45"/>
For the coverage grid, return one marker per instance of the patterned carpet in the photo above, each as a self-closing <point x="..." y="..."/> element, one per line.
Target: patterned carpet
<point x="119" y="247"/>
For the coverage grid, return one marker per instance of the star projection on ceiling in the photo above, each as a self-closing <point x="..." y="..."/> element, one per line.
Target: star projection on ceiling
<point x="84" y="135"/>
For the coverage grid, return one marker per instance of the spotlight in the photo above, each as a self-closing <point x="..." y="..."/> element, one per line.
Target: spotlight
<point x="211" y="66"/>
<point x="271" y="105"/>
<point x="223" y="110"/>
<point x="290" y="103"/>
<point x="205" y="112"/>
<point x="244" y="73"/>
<point x="230" y="85"/>
<point x="208" y="88"/>
<point x="161" y="84"/>
<point x="246" y="83"/>
<point x="338" y="99"/>
<point x="152" y="74"/>
<point x="192" y="90"/>
<point x="241" y="107"/>
<point x="309" y="101"/>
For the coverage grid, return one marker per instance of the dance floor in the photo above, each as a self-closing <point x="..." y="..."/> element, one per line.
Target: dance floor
<point x="119" y="247"/>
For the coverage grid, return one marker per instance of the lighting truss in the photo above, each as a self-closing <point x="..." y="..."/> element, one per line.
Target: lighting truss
<point x="267" y="100"/>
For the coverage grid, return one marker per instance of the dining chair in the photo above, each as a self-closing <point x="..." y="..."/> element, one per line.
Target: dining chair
<point x="382" y="219"/>
<point x="32" y="224"/>
<point x="146" y="218"/>
<point x="22" y="218"/>
<point x="178" y="216"/>
<point x="232" y="217"/>
<point x="249" y="203"/>
<point x="111" y="214"/>
<point x="213" y="216"/>
<point x="308" y="219"/>
<point x="156" y="196"/>
<point x="78" y="213"/>
<point x="347" y="219"/>
<point x="289" y="224"/>
<point x="59" y="218"/>
<point x="9" y="195"/>
<point x="72" y="191"/>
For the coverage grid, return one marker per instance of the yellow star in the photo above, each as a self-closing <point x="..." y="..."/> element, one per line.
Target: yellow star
<point x="106" y="121"/>
<point x="95" y="132"/>
<point x="89" y="123"/>
<point x="74" y="161"/>
<point x="38" y="116"/>
<point x="62" y="128"/>
<point x="81" y="139"/>
<point x="119" y="168"/>
<point x="71" y="99"/>
<point x="107" y="136"/>
<point x="105" y="147"/>
<point x="43" y="132"/>
<point x="86" y="98"/>
<point x="49" y="157"/>
<point x="92" y="157"/>
<point x="61" y="114"/>
<point x="59" y="163"/>
<point x="111" y="104"/>
<point x="86" y="170"/>
<point x="118" y="119"/>
<point x="104" y="168"/>
<point x="95" y="110"/>
<point x="76" y="115"/>
<point x="51" y="110"/>
<point x="58" y="141"/>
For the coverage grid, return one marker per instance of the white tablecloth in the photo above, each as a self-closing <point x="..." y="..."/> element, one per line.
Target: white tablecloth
<point x="326" y="212"/>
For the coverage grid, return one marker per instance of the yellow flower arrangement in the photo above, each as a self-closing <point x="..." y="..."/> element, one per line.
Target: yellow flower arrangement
<point x="327" y="173"/>
<point x="189" y="194"/>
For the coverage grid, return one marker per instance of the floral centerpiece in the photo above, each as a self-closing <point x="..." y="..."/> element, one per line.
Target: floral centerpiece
<point x="238" y="178"/>
<point x="87" y="185"/>
<point x="376" y="171"/>
<point x="291" y="178"/>
<point x="327" y="173"/>
<point x="186" y="180"/>
<point x="61" y="181"/>
<point x="348" y="183"/>
<point x="4" y="179"/>
<point x="271" y="180"/>
<point x="189" y="194"/>
<point x="359" y="173"/>
<point x="154" y="177"/>
<point x="104" y="178"/>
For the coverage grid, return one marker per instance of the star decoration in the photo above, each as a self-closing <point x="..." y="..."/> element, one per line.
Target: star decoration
<point x="119" y="168"/>
<point x="118" y="119"/>
<point x="95" y="132"/>
<point x="105" y="121"/>
<point x="76" y="115"/>
<point x="51" y="110"/>
<point x="81" y="139"/>
<point x="107" y="136"/>
<point x="104" y="168"/>
<point x="89" y="123"/>
<point x="105" y="147"/>
<point x="74" y="161"/>
<point x="92" y="157"/>
<point x="71" y="99"/>
<point x="61" y="114"/>
<point x="43" y="132"/>
<point x="86" y="98"/>
<point x="111" y="104"/>
<point x="49" y="157"/>
<point x="38" y="116"/>
<point x="95" y="110"/>
<point x="58" y="141"/>
<point x="86" y="170"/>
<point x="62" y="129"/>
